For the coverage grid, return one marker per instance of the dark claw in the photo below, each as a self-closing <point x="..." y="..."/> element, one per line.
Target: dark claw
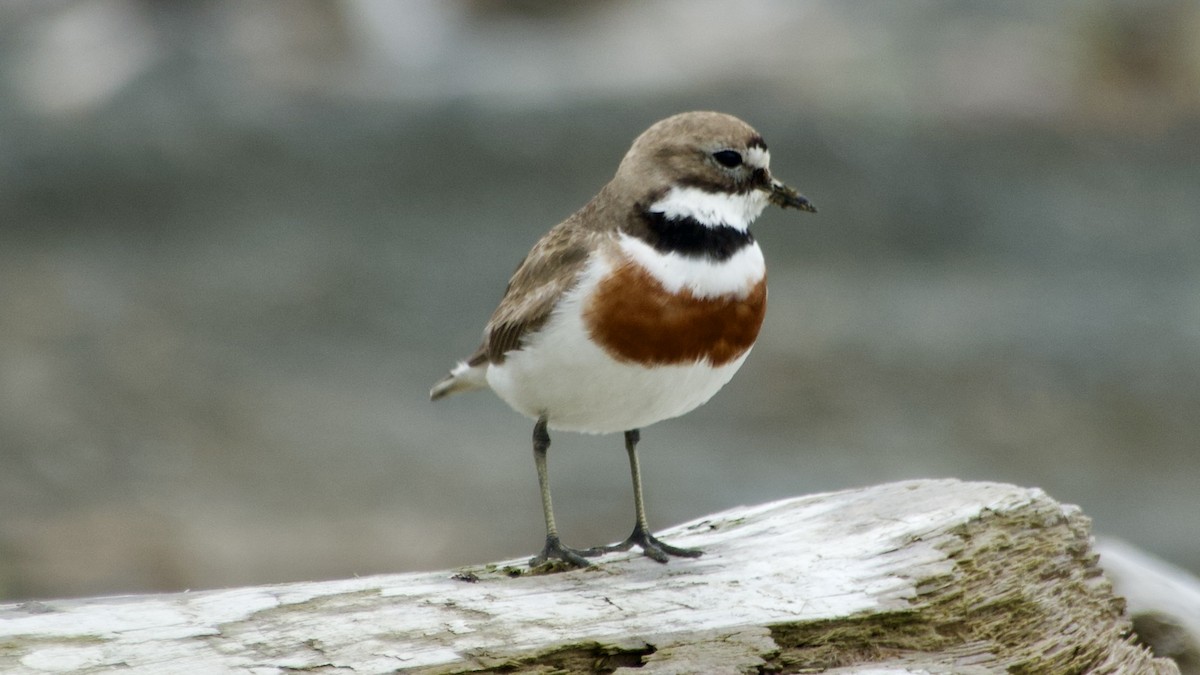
<point x="652" y="547"/>
<point x="554" y="550"/>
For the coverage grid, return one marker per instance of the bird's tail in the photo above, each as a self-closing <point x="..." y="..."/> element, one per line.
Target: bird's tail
<point x="466" y="376"/>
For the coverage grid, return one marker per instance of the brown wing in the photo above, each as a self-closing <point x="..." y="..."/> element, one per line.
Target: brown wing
<point x="551" y="269"/>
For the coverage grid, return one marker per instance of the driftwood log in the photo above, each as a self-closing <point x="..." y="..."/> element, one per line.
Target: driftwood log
<point x="1163" y="602"/>
<point x="916" y="577"/>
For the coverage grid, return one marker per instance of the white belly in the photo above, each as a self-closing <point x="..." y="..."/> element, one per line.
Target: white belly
<point x="561" y="374"/>
<point x="580" y="388"/>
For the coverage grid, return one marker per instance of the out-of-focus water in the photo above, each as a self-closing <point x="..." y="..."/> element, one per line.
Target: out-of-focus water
<point x="221" y="307"/>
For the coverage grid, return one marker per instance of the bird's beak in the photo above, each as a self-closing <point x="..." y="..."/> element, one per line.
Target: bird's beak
<point x="786" y="197"/>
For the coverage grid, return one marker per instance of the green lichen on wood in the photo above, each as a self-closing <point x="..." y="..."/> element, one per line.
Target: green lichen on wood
<point x="593" y="658"/>
<point x="13" y="650"/>
<point x="853" y="640"/>
<point x="1024" y="586"/>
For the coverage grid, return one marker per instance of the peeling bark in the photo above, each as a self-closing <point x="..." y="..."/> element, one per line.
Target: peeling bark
<point x="915" y="577"/>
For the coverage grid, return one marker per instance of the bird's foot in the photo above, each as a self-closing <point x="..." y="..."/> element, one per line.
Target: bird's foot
<point x="652" y="547"/>
<point x="554" y="550"/>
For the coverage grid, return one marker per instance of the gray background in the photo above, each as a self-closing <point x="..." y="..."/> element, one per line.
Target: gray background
<point x="238" y="242"/>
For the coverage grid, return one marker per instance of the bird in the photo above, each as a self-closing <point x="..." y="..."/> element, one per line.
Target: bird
<point x="638" y="307"/>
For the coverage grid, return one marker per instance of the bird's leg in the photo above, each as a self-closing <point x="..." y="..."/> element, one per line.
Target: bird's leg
<point x="641" y="536"/>
<point x="554" y="550"/>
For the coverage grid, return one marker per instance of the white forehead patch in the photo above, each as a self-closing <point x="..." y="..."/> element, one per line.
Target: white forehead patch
<point x="711" y="209"/>
<point x="759" y="158"/>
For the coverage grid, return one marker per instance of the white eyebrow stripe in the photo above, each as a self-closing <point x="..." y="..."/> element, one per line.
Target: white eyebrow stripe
<point x="759" y="158"/>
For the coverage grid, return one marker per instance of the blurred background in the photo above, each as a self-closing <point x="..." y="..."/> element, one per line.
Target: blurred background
<point x="239" y="241"/>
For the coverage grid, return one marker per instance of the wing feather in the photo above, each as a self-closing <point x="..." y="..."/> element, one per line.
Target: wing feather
<point x="551" y="269"/>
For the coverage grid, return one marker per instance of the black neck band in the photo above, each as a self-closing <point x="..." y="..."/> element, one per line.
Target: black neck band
<point x="689" y="237"/>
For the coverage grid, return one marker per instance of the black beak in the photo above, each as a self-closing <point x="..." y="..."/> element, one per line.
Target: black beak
<point x="785" y="197"/>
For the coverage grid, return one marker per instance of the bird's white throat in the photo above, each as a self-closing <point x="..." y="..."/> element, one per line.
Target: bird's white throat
<point x="712" y="209"/>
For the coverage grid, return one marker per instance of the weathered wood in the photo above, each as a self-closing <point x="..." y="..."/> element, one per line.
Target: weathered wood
<point x="922" y="576"/>
<point x="1163" y="602"/>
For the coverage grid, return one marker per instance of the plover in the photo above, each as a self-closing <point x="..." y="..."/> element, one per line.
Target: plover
<point x="639" y="306"/>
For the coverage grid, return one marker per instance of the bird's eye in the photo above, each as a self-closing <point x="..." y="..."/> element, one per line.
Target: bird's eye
<point x="728" y="158"/>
